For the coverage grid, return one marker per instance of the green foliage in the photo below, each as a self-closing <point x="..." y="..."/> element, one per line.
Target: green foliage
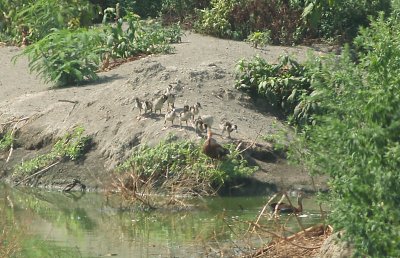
<point x="169" y="158"/>
<point x="29" y="21"/>
<point x="283" y="85"/>
<point x="71" y="146"/>
<point x="66" y="56"/>
<point x="141" y="37"/>
<point x="342" y="18"/>
<point x="260" y="38"/>
<point x="357" y="140"/>
<point x="6" y="141"/>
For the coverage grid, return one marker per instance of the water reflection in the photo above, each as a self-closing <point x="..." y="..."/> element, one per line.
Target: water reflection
<point x="87" y="225"/>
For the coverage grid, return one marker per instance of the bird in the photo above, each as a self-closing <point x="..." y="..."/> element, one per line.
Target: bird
<point x="148" y="105"/>
<point x="195" y="109"/>
<point x="159" y="102"/>
<point x="198" y="125"/>
<point x="185" y="115"/>
<point x="208" y="121"/>
<point x="287" y="208"/>
<point x="138" y="104"/>
<point x="228" y="127"/>
<point x="213" y="149"/>
<point x="170" y="116"/>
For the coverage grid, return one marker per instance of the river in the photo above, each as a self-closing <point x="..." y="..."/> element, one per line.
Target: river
<point x="55" y="224"/>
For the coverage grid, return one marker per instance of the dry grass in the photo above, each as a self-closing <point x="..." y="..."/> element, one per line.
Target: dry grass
<point x="146" y="191"/>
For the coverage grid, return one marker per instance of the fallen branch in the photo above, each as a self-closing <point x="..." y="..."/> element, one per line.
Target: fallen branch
<point x="38" y="173"/>
<point x="252" y="143"/>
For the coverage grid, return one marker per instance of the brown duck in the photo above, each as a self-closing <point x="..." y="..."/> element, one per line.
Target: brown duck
<point x="213" y="149"/>
<point x="287" y="208"/>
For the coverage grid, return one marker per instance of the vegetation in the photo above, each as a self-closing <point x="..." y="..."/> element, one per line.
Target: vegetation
<point x="74" y="56"/>
<point x="71" y="146"/>
<point x="284" y="86"/>
<point x="356" y="140"/>
<point x="6" y="141"/>
<point x="259" y="38"/>
<point x="27" y="21"/>
<point x="179" y="168"/>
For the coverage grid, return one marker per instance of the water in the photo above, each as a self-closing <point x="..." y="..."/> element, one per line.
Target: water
<point x="56" y="224"/>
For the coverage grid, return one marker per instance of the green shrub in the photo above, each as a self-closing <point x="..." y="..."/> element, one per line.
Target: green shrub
<point x="168" y="159"/>
<point x="342" y="18"/>
<point x="357" y="140"/>
<point x="259" y="38"/>
<point x="71" y="146"/>
<point x="29" y="21"/>
<point x="284" y="86"/>
<point x="6" y="141"/>
<point x="65" y="56"/>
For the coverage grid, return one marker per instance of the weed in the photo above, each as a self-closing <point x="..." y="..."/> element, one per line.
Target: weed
<point x="71" y="146"/>
<point x="181" y="168"/>
<point x="6" y="141"/>
<point x="260" y="38"/>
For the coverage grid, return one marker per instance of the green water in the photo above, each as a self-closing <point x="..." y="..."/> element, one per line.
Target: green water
<point x="55" y="224"/>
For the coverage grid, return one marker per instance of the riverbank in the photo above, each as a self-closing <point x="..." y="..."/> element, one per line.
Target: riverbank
<point x="200" y="70"/>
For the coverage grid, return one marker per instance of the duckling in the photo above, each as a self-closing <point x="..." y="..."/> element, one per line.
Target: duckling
<point x="138" y="104"/>
<point x="170" y="116"/>
<point x="212" y="148"/>
<point x="185" y="115"/>
<point x="159" y="103"/>
<point x="229" y="127"/>
<point x="195" y="109"/>
<point x="170" y="100"/>
<point x="207" y="121"/>
<point x="198" y="125"/>
<point x="148" y="105"/>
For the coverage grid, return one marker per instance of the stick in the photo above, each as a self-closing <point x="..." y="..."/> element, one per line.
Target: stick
<point x="39" y="172"/>
<point x="252" y="143"/>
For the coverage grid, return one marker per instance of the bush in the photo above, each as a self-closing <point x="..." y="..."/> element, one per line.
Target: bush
<point x="65" y="56"/>
<point x="284" y="86"/>
<point x="169" y="160"/>
<point x="357" y="140"/>
<point x="29" y="21"/>
<point x="72" y="146"/>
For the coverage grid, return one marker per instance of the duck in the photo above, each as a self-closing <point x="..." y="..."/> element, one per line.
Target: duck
<point x="213" y="149"/>
<point x="287" y="208"/>
<point x="138" y="104"/>
<point x="198" y="125"/>
<point x="185" y="115"/>
<point x="195" y="109"/>
<point x="208" y="121"/>
<point x="228" y="127"/>
<point x="148" y="105"/>
<point x="159" y="103"/>
<point x="170" y="116"/>
<point x="170" y="100"/>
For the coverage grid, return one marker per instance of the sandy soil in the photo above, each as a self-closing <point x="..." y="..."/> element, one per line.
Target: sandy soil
<point x="200" y="70"/>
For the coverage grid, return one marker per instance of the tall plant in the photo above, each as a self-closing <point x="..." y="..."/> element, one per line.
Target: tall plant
<point x="66" y="57"/>
<point x="357" y="142"/>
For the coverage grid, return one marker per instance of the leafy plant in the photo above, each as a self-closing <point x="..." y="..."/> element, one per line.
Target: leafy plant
<point x="283" y="85"/>
<point x="71" y="146"/>
<point x="172" y="159"/>
<point x="356" y="141"/>
<point x="260" y="38"/>
<point x="28" y="21"/>
<point x="65" y="56"/>
<point x="6" y="141"/>
<point x="140" y="37"/>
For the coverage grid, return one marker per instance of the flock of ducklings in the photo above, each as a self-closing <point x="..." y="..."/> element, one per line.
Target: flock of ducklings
<point x="201" y="124"/>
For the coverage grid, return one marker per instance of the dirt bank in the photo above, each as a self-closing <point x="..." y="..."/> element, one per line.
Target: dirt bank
<point x="200" y="70"/>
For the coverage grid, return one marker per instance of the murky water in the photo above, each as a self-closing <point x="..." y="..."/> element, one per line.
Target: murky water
<point x="56" y="224"/>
